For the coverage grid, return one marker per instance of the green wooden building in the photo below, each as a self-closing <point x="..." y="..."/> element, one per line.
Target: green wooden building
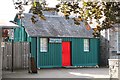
<point x="57" y="42"/>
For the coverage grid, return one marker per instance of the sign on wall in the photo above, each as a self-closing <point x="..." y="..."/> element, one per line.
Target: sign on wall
<point x="5" y="32"/>
<point x="55" y="40"/>
<point x="2" y="44"/>
<point x="11" y="33"/>
<point x="8" y="33"/>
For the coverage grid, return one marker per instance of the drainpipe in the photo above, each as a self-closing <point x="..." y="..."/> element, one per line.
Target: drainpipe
<point x="12" y="53"/>
<point x="37" y="50"/>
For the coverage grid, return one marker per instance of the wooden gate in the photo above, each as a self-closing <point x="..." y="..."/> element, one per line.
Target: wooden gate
<point x="20" y="55"/>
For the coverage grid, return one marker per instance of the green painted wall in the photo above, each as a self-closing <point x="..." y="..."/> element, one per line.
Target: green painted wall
<point x="81" y="58"/>
<point x="33" y="48"/>
<point x="19" y="33"/>
<point x="53" y="58"/>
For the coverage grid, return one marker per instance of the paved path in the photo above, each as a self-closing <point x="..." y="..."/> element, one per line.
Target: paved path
<point x="60" y="73"/>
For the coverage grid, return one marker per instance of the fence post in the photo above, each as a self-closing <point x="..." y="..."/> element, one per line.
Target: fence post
<point x="0" y="54"/>
<point x="12" y="55"/>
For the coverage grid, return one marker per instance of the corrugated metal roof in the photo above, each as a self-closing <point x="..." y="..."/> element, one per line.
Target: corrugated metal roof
<point x="6" y="24"/>
<point x="54" y="26"/>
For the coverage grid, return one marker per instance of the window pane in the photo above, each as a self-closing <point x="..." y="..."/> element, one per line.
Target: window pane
<point x="86" y="44"/>
<point x="43" y="44"/>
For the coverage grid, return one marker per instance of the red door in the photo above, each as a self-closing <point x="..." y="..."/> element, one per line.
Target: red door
<point x="65" y="53"/>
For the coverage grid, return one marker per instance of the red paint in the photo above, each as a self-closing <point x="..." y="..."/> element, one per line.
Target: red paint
<point x="65" y="53"/>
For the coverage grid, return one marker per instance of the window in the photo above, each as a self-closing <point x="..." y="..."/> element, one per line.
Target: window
<point x="43" y="44"/>
<point x="118" y="42"/>
<point x="86" y="45"/>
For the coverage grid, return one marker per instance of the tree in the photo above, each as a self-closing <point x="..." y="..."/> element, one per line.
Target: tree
<point x="105" y="14"/>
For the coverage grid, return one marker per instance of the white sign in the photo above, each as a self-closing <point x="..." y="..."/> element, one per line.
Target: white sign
<point x="11" y="33"/>
<point x="55" y="40"/>
<point x="2" y="44"/>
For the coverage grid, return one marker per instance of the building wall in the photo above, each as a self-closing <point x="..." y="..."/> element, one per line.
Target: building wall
<point x="113" y="43"/>
<point x="19" y="33"/>
<point x="108" y="45"/>
<point x="0" y="54"/>
<point x="104" y="47"/>
<point x="52" y="58"/>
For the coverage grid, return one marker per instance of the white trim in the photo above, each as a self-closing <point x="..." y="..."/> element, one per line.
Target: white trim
<point x="86" y="50"/>
<point x="118" y="43"/>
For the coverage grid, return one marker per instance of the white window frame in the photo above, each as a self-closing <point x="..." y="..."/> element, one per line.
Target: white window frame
<point x="86" y="43"/>
<point x="43" y="45"/>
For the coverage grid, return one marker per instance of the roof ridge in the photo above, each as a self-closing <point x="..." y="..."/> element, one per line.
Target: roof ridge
<point x="52" y="16"/>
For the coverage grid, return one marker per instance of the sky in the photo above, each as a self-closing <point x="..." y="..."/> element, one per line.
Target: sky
<point x="8" y="12"/>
